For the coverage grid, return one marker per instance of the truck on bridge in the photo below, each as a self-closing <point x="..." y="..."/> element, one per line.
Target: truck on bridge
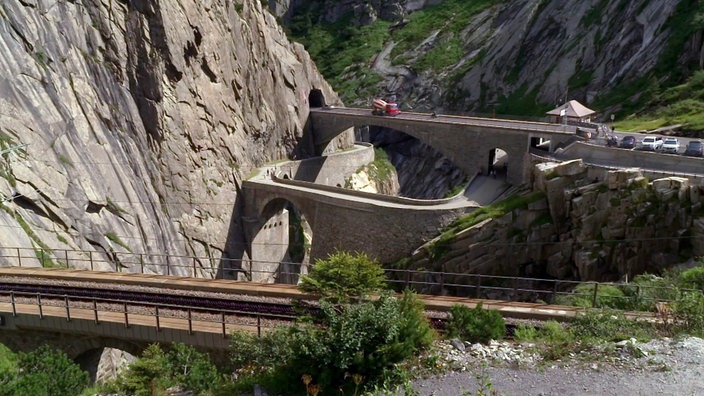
<point x="382" y="107"/>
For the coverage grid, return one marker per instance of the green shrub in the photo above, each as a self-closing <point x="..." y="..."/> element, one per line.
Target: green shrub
<point x="45" y="372"/>
<point x="475" y="324"/>
<point x="688" y="311"/>
<point x="525" y="333"/>
<point x="157" y="370"/>
<point x="343" y="277"/>
<point x="350" y="348"/>
<point x="608" y="325"/>
<point x="692" y="278"/>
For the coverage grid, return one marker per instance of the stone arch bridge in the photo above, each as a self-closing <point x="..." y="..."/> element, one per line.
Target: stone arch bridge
<point x="466" y="141"/>
<point x="387" y="228"/>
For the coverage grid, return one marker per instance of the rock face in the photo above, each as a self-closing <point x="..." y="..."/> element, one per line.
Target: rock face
<point x="590" y="224"/>
<point x="128" y="126"/>
<point x="548" y="51"/>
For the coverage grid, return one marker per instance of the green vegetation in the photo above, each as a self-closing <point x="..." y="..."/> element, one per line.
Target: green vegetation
<point x="349" y="347"/>
<point x="342" y="51"/>
<point x="344" y="277"/>
<point x="449" y="18"/>
<point x="42" y="372"/>
<point x="682" y="292"/>
<point x="380" y="170"/>
<point x="475" y="324"/>
<point x="158" y="369"/>
<point x="682" y="104"/>
<point x="440" y="245"/>
<point x="116" y="239"/>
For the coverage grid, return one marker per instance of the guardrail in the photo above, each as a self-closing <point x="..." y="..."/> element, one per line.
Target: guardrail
<point x="475" y="285"/>
<point x="46" y="300"/>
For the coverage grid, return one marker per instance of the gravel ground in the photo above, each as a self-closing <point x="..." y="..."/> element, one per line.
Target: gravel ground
<point x="659" y="367"/>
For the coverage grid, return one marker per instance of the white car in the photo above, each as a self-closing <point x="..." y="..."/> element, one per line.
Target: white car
<point x="671" y="145"/>
<point x="652" y="143"/>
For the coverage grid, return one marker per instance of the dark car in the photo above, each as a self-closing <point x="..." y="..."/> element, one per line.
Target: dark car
<point x="628" y="142"/>
<point x="694" y="148"/>
<point x="611" y="141"/>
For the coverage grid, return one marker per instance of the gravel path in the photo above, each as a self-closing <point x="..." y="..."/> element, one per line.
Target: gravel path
<point x="663" y="367"/>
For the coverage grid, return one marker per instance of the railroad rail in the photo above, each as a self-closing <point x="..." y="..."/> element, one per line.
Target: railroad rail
<point x="232" y="293"/>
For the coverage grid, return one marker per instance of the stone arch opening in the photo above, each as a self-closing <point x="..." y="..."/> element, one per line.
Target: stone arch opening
<point x="410" y="157"/>
<point x="281" y="246"/>
<point x="316" y="98"/>
<point x="498" y="163"/>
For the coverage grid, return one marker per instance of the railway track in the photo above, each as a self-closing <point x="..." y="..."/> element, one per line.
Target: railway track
<point x="246" y="298"/>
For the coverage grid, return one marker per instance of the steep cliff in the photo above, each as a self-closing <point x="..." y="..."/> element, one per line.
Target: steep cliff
<point x="512" y="57"/>
<point x="579" y="223"/>
<point x="126" y="127"/>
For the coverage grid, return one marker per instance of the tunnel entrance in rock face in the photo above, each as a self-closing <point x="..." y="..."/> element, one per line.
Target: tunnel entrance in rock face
<point x="316" y="98"/>
<point x="281" y="247"/>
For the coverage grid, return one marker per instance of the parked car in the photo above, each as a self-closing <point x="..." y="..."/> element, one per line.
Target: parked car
<point x="652" y="143"/>
<point x="670" y="145"/>
<point x="694" y="148"/>
<point x="628" y="142"/>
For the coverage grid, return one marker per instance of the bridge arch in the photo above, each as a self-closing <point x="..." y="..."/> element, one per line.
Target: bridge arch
<point x="280" y="245"/>
<point x="316" y="98"/>
<point x="498" y="162"/>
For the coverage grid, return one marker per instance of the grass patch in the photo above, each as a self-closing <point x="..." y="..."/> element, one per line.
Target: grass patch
<point x="439" y="246"/>
<point x="114" y="238"/>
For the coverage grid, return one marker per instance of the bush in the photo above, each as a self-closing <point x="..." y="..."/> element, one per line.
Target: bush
<point x="475" y="324"/>
<point x="688" y="312"/>
<point x="343" y="277"/>
<point x="353" y="347"/>
<point x="608" y="325"/>
<point x="46" y="372"/>
<point x="156" y="370"/>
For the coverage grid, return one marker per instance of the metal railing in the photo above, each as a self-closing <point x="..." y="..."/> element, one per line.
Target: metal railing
<point x="193" y="315"/>
<point x="508" y="288"/>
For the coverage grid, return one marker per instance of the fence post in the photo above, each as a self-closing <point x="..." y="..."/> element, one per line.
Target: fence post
<point x="68" y="310"/>
<point x="168" y="266"/>
<point x="12" y="300"/>
<point x="95" y="310"/>
<point x="127" y="319"/>
<point x="190" y="322"/>
<point x="194" y="266"/>
<point x="596" y="292"/>
<point x="479" y="285"/>
<point x="66" y="255"/>
<point x="224" y="331"/>
<point x="141" y="262"/>
<point x="158" y="327"/>
<point x="408" y="278"/>
<point x="39" y="303"/>
<point x="554" y="291"/>
<point x="259" y="325"/>
<point x="19" y="258"/>
<point x="90" y="256"/>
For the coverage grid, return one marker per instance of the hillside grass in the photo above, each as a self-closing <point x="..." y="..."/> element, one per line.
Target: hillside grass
<point x="682" y="104"/>
<point x="440" y="245"/>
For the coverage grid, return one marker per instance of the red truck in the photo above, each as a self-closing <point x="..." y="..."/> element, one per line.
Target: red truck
<point x="382" y="107"/>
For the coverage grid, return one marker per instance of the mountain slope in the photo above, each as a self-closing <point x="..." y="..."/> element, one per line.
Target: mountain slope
<point x="512" y="57"/>
<point x="130" y="125"/>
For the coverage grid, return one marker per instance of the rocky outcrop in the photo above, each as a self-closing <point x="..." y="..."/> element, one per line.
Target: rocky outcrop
<point x="590" y="224"/>
<point x="127" y="127"/>
<point x="548" y="51"/>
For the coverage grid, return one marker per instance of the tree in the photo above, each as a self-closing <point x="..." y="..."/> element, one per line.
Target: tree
<point x="46" y="372"/>
<point x="343" y="277"/>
